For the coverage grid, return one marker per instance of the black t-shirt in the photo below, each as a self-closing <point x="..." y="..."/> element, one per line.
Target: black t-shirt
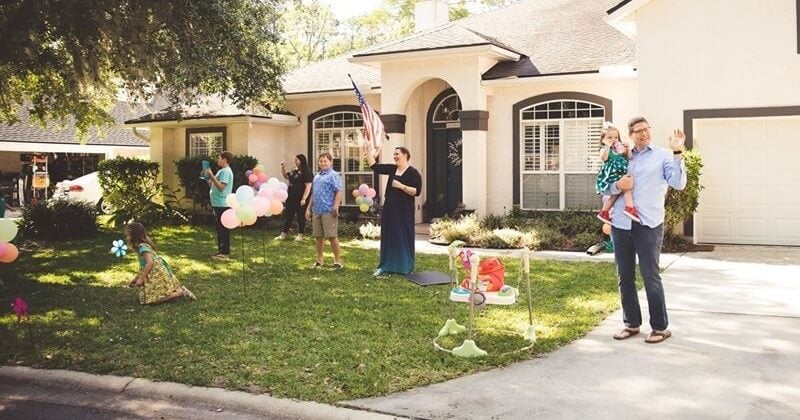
<point x="297" y="185"/>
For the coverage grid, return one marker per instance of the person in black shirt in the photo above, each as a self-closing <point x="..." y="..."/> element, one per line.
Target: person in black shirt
<point x="299" y="189"/>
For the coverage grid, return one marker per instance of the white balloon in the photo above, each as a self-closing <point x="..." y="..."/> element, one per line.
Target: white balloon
<point x="232" y="202"/>
<point x="245" y="194"/>
<point x="273" y="183"/>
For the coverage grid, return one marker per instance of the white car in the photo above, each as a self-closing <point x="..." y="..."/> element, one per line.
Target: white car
<point x="86" y="188"/>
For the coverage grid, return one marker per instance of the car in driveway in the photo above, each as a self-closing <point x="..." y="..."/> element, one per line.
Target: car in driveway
<point x="86" y="188"/>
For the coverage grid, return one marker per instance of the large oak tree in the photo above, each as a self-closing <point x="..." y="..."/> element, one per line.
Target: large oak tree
<point x="67" y="60"/>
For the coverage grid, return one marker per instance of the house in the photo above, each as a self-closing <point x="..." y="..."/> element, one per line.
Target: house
<point x="65" y="155"/>
<point x="505" y="108"/>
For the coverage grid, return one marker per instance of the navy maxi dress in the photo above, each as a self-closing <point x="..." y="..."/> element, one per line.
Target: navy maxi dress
<point x="397" y="220"/>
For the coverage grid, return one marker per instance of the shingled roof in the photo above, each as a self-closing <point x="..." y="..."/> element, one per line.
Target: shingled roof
<point x="27" y="132"/>
<point x="208" y="107"/>
<point x="552" y="36"/>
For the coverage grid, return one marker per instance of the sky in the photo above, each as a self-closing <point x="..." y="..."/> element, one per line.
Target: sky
<point x="345" y="9"/>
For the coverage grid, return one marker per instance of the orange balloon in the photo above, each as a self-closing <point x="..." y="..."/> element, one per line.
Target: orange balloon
<point x="11" y="254"/>
<point x="606" y="229"/>
<point x="356" y="193"/>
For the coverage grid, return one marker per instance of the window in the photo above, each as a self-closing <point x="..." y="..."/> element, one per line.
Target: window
<point x="206" y="141"/>
<point x="337" y="133"/>
<point x="560" y="143"/>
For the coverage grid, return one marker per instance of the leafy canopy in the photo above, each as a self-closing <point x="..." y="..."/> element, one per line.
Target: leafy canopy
<point x="68" y="60"/>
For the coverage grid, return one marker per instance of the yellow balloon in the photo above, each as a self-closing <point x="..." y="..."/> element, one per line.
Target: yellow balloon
<point x="8" y="230"/>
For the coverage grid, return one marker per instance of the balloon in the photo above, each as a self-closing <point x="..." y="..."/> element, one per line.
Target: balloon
<point x="359" y="200"/>
<point x="256" y="186"/>
<point x="275" y="207"/>
<point x="11" y="254"/>
<point x="261" y="205"/>
<point x="364" y="207"/>
<point x="606" y="229"/>
<point x="229" y="219"/>
<point x="280" y="195"/>
<point x="283" y="187"/>
<point x="231" y="201"/>
<point x="371" y="193"/>
<point x="247" y="173"/>
<point x="3" y="248"/>
<point x="262" y="177"/>
<point x="367" y="200"/>
<point x="244" y="194"/>
<point x="273" y="183"/>
<point x="8" y="230"/>
<point x="247" y="215"/>
<point x="258" y="169"/>
<point x="356" y="193"/>
<point x="252" y="178"/>
<point x="266" y="193"/>
<point x="363" y="188"/>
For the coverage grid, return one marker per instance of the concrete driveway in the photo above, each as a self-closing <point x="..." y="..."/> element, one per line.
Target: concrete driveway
<point x="735" y="353"/>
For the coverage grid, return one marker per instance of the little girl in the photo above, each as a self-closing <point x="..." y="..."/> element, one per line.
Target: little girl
<point x="156" y="279"/>
<point x="615" y="155"/>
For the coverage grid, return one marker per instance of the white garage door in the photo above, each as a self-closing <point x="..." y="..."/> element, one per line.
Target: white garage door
<point x="751" y="180"/>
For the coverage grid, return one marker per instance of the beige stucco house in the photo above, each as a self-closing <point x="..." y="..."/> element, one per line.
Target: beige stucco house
<point x="504" y="108"/>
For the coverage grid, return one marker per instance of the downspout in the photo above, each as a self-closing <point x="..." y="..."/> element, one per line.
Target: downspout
<point x="140" y="135"/>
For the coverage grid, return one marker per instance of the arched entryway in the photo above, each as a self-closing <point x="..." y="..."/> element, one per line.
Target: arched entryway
<point x="444" y="163"/>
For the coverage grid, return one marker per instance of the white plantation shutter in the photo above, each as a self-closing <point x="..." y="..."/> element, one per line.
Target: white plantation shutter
<point x="582" y="145"/>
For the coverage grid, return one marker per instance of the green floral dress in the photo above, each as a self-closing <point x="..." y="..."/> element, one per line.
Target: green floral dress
<point x="613" y="169"/>
<point x="160" y="281"/>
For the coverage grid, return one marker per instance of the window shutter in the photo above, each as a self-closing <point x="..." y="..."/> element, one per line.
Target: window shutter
<point x="582" y="145"/>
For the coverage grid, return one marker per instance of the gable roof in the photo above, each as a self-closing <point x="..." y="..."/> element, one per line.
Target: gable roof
<point x="208" y="108"/>
<point x="552" y="37"/>
<point x="27" y="132"/>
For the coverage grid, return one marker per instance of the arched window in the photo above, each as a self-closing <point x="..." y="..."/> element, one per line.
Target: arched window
<point x="337" y="134"/>
<point x="559" y="154"/>
<point x="448" y="109"/>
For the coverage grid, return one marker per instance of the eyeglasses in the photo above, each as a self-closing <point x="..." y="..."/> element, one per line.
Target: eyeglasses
<point x="641" y="130"/>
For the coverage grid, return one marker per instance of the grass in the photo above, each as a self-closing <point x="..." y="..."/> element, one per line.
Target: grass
<point x="275" y="325"/>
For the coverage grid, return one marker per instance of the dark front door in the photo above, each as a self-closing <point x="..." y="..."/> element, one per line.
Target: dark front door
<point x="444" y="194"/>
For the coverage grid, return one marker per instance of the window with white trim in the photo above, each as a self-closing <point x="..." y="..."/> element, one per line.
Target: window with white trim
<point x="337" y="134"/>
<point x="560" y="155"/>
<point x="207" y="141"/>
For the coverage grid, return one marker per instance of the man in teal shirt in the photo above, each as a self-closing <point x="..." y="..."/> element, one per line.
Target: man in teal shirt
<point x="221" y="186"/>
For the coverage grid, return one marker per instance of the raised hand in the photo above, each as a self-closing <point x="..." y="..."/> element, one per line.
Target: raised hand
<point x="677" y="139"/>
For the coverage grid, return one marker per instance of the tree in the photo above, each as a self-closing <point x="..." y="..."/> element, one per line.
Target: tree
<point x="308" y="27"/>
<point x="68" y="60"/>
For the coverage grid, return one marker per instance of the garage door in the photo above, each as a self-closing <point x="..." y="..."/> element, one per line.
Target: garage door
<point x="751" y="180"/>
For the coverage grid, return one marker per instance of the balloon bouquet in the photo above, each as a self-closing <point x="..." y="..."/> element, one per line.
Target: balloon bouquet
<point x="364" y="195"/>
<point x="262" y="197"/>
<point x="8" y="231"/>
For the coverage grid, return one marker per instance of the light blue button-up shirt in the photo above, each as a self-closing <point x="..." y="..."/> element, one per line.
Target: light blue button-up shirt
<point x="325" y="186"/>
<point x="653" y="169"/>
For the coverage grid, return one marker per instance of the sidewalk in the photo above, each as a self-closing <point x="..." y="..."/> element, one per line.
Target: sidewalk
<point x="735" y="353"/>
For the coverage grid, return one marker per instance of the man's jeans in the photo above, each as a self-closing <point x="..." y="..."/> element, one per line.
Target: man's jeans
<point x="223" y="234"/>
<point x="644" y="242"/>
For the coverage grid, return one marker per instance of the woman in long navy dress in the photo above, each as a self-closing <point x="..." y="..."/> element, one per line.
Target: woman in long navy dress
<point x="397" y="215"/>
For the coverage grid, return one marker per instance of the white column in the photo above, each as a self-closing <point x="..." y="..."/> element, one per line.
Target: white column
<point x="473" y="170"/>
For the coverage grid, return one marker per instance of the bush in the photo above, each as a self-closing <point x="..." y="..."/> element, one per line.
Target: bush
<point x="59" y="220"/>
<point x="584" y="240"/>
<point x="196" y="189"/>
<point x="370" y="231"/>
<point x="680" y="205"/>
<point x="493" y="221"/>
<point x="129" y="186"/>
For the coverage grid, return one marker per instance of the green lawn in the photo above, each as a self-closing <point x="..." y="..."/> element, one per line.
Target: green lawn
<point x="274" y="326"/>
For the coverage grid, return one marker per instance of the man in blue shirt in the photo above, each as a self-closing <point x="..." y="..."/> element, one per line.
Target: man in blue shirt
<point x="323" y="211"/>
<point x="654" y="169"/>
<point x="221" y="186"/>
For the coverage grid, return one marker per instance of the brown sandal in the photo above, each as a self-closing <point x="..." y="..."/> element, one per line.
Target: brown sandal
<point x="656" y="337"/>
<point x="626" y="333"/>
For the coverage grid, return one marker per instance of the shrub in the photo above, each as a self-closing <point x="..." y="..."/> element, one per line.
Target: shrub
<point x="680" y="205"/>
<point x="584" y="240"/>
<point x="463" y="229"/>
<point x="59" y="220"/>
<point x="129" y="186"/>
<point x="550" y="238"/>
<point x="512" y="238"/>
<point x="370" y="231"/>
<point x="493" y="221"/>
<point x="188" y="172"/>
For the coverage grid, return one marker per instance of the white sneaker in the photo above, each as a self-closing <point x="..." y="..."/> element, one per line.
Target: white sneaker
<point x="298" y="238"/>
<point x="280" y="237"/>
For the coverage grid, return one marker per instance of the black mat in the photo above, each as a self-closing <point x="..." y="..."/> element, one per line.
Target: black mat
<point x="428" y="278"/>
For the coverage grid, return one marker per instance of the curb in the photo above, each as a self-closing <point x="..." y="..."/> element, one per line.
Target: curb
<point x="146" y="389"/>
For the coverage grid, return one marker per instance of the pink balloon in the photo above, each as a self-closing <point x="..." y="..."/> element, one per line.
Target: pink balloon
<point x="266" y="193"/>
<point x="257" y="185"/>
<point x="280" y="195"/>
<point x="261" y="205"/>
<point x="253" y="178"/>
<point x="363" y="188"/>
<point x="3" y="249"/>
<point x="371" y="193"/>
<point x="276" y="207"/>
<point x="262" y="177"/>
<point x="229" y="219"/>
<point x="11" y="254"/>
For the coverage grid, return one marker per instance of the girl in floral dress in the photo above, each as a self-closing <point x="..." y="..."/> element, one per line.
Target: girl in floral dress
<point x="615" y="155"/>
<point x="155" y="278"/>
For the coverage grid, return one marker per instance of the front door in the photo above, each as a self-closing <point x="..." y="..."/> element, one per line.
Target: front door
<point x="444" y="178"/>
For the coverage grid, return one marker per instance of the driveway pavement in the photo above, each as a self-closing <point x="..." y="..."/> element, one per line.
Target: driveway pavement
<point x="735" y="353"/>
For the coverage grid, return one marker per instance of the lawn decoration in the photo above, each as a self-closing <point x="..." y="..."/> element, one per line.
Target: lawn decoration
<point x="8" y="231"/>
<point x="364" y="195"/>
<point x="247" y="205"/>
<point x="20" y="308"/>
<point x="491" y="288"/>
<point x="119" y="248"/>
<point x="476" y="298"/>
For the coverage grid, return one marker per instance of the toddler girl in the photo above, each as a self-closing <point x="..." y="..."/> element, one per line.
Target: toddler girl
<point x="615" y="155"/>
<point x="155" y="277"/>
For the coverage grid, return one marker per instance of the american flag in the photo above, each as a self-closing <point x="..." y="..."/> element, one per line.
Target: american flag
<point x="373" y="126"/>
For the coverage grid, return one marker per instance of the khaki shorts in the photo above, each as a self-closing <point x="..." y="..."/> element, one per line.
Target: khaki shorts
<point x="325" y="225"/>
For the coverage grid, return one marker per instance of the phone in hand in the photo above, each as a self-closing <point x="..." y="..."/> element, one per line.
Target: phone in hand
<point x="206" y="165"/>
